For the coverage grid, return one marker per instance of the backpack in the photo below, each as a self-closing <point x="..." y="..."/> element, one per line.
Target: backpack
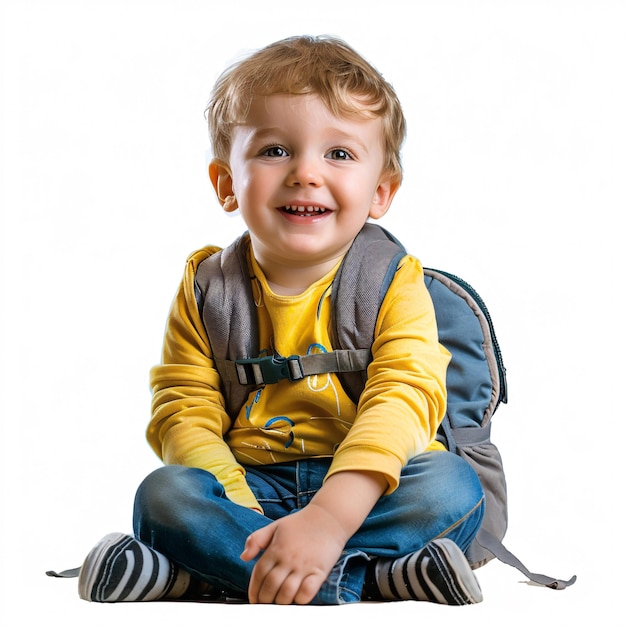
<point x="476" y="376"/>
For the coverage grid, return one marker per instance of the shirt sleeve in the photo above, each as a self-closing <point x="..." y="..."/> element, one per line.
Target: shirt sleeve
<point x="189" y="418"/>
<point x="404" y="400"/>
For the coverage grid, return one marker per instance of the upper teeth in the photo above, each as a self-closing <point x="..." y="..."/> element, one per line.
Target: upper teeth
<point x="304" y="209"/>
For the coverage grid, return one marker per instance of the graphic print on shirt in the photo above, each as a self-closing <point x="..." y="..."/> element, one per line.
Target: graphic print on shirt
<point x="279" y="429"/>
<point x="255" y="400"/>
<point x="283" y="425"/>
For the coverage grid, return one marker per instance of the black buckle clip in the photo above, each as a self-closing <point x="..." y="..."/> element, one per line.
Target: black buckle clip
<point x="269" y="369"/>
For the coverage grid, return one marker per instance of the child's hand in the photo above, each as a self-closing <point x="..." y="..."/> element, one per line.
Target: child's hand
<point x="299" y="552"/>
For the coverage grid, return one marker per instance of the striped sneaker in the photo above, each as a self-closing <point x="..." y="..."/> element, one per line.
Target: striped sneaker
<point x="439" y="573"/>
<point x="121" y="569"/>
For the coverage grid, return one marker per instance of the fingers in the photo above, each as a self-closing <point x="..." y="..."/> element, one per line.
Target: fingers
<point x="270" y="584"/>
<point x="257" y="542"/>
<point x="308" y="589"/>
<point x="273" y="584"/>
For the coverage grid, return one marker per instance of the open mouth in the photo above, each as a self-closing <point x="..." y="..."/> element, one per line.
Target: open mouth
<point x="304" y="211"/>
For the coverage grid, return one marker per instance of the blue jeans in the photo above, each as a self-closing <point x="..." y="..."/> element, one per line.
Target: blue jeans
<point x="184" y="513"/>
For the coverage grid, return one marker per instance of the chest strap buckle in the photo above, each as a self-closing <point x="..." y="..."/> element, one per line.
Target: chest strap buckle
<point x="268" y="370"/>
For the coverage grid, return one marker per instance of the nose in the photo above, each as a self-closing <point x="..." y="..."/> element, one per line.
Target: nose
<point x="305" y="171"/>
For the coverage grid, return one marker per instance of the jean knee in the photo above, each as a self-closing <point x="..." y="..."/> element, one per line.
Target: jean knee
<point x="469" y="488"/>
<point x="160" y="486"/>
<point x="470" y="504"/>
<point x="453" y="485"/>
<point x="164" y="492"/>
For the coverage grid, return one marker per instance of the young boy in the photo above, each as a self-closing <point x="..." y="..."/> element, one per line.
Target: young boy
<point x="302" y="495"/>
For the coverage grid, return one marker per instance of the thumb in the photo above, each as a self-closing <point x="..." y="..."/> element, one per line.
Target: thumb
<point x="257" y="542"/>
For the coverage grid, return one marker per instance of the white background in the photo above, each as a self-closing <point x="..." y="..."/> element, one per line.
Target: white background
<point x="515" y="167"/>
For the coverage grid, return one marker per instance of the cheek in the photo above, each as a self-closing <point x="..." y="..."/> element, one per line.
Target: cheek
<point x="263" y="183"/>
<point x="252" y="191"/>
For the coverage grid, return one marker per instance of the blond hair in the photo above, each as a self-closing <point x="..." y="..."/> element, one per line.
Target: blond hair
<point x="325" y="66"/>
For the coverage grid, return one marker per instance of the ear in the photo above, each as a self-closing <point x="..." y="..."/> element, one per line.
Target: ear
<point x="383" y="196"/>
<point x="222" y="181"/>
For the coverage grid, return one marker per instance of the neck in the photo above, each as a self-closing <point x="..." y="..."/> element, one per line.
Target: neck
<point x="289" y="276"/>
<point x="294" y="281"/>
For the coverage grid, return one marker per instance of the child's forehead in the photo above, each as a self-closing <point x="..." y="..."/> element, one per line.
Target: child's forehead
<point x="308" y="106"/>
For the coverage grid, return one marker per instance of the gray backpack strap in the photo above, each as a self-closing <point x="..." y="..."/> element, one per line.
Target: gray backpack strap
<point x="226" y="304"/>
<point x="489" y="542"/>
<point x="67" y="573"/>
<point x="359" y="288"/>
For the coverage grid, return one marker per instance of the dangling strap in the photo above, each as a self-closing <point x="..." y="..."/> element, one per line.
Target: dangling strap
<point x="489" y="542"/>
<point x="66" y="573"/>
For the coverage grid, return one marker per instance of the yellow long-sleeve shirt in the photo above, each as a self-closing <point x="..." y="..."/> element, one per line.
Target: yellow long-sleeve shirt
<point x="397" y="416"/>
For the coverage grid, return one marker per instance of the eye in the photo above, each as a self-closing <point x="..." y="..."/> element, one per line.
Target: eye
<point x="274" y="152"/>
<point x="339" y="154"/>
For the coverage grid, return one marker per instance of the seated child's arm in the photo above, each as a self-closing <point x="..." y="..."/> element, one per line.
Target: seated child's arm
<point x="188" y="414"/>
<point x="404" y="399"/>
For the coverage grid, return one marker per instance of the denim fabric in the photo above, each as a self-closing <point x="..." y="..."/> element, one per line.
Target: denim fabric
<point x="184" y="513"/>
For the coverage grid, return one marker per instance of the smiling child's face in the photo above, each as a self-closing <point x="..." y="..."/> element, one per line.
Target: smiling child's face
<point x="304" y="180"/>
